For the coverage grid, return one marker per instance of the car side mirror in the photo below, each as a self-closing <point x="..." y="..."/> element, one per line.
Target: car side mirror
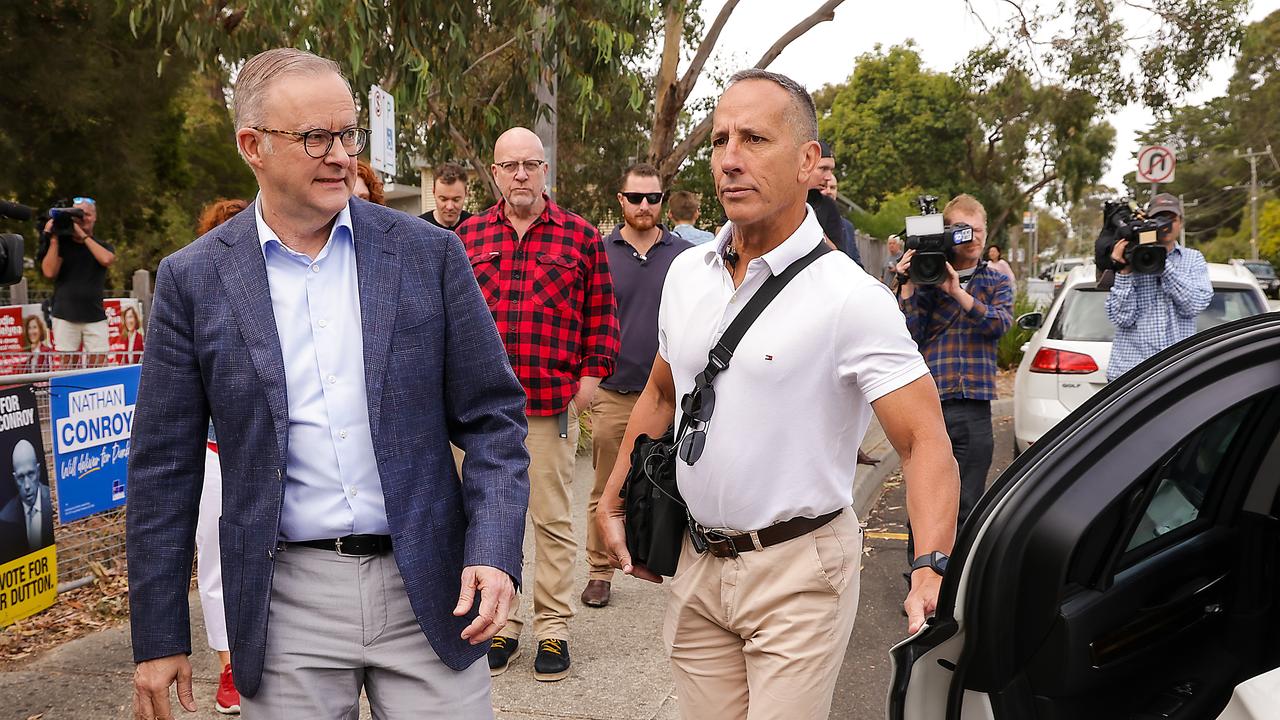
<point x="1031" y="321"/>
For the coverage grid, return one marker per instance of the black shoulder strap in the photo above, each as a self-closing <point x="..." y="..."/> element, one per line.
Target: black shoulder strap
<point x="718" y="358"/>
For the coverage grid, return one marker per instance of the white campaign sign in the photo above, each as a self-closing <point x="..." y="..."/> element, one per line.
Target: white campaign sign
<point x="1155" y="164"/>
<point x="382" y="131"/>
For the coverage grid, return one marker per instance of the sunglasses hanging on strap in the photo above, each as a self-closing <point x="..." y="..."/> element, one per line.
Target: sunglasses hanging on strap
<point x="657" y="517"/>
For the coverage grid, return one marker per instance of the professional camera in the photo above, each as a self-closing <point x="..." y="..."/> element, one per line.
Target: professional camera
<point x="63" y="220"/>
<point x="11" y="245"/>
<point x="1124" y="220"/>
<point x="934" y="242"/>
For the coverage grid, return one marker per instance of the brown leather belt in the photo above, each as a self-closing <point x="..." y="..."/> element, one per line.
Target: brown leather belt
<point x="730" y="546"/>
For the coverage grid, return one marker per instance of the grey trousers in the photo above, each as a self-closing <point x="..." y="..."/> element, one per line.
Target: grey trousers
<point x="339" y="624"/>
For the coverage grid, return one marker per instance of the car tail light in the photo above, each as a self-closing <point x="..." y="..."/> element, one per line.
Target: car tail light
<point x="1063" y="362"/>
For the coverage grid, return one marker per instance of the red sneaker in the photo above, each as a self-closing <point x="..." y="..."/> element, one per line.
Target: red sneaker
<point x="227" y="701"/>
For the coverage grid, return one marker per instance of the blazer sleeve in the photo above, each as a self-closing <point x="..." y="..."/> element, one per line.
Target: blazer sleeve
<point x="166" y="472"/>
<point x="485" y="411"/>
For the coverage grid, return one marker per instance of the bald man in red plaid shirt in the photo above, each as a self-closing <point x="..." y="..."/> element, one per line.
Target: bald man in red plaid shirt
<point x="545" y="274"/>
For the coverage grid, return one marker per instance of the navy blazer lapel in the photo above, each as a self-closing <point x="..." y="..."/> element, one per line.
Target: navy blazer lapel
<point x="243" y="271"/>
<point x="379" y="279"/>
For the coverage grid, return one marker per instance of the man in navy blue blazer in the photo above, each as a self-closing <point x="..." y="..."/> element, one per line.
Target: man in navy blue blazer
<point x="339" y="347"/>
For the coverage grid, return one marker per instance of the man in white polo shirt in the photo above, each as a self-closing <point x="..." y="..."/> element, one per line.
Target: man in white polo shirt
<point x="759" y="632"/>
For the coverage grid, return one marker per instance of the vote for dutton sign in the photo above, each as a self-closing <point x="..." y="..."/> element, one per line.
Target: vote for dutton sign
<point x="92" y="423"/>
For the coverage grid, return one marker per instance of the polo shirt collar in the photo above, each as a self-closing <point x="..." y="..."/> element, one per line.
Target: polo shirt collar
<point x="266" y="234"/>
<point x="796" y="246"/>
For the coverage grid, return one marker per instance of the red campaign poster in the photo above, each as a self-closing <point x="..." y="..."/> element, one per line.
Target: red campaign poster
<point x="125" y="334"/>
<point x="13" y="357"/>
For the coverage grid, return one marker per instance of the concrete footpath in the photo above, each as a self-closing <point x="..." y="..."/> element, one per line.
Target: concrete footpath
<point x="619" y="668"/>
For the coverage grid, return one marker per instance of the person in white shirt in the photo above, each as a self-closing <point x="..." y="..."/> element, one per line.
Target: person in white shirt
<point x="760" y="631"/>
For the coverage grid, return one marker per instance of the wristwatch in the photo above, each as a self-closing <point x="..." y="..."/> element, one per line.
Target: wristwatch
<point x="935" y="561"/>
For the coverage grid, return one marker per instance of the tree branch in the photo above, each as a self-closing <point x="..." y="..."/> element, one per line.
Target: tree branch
<point x="672" y="161"/>
<point x="690" y="78"/>
<point x="823" y="14"/>
<point x="490" y="54"/>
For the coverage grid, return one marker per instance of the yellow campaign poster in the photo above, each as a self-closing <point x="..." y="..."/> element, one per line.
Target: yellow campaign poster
<point x="28" y="557"/>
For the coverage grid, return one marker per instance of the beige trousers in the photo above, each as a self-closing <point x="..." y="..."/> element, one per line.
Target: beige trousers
<point x="762" y="636"/>
<point x="610" y="411"/>
<point x="555" y="548"/>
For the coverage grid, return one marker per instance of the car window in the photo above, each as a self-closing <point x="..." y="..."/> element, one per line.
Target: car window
<point x="1262" y="270"/>
<point x="1186" y="476"/>
<point x="1084" y="313"/>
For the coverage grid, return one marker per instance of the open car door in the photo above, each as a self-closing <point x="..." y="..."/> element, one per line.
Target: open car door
<point x="1128" y="565"/>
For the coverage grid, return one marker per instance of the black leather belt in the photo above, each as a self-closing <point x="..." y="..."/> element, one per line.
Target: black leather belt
<point x="351" y="545"/>
<point x="730" y="546"/>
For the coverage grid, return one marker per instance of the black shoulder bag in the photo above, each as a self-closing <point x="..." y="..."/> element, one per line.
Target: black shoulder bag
<point x="656" y="516"/>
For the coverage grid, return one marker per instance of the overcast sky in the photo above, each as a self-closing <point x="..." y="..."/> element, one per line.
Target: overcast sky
<point x="944" y="31"/>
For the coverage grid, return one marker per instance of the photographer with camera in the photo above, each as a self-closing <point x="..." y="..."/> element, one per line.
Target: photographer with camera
<point x="1159" y="286"/>
<point x="957" y="307"/>
<point x="77" y="263"/>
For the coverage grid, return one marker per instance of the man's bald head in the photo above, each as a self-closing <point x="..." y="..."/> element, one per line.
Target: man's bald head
<point x="520" y="170"/>
<point x="26" y="471"/>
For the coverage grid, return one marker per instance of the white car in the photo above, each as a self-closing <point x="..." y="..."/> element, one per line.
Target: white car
<point x="1065" y="362"/>
<point x="1060" y="269"/>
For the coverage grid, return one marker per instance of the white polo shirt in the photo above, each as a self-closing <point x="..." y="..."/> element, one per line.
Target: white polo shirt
<point x="794" y="404"/>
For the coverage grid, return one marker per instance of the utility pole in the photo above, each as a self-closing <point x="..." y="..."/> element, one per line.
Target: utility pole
<point x="1185" y="205"/>
<point x="1253" y="196"/>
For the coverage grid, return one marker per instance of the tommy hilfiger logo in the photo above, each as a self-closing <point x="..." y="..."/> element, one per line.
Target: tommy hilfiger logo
<point x="768" y="357"/>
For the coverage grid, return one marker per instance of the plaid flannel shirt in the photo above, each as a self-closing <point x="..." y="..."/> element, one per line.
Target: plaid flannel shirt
<point x="960" y="347"/>
<point x="1152" y="312"/>
<point x="551" y="296"/>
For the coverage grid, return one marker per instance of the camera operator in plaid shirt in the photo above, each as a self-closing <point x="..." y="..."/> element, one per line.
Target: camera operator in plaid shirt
<point x="957" y="326"/>
<point x="545" y="274"/>
<point x="1152" y="312"/>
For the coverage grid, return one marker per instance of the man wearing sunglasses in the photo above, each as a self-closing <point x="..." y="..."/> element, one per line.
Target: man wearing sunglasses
<point x="545" y="274"/>
<point x="78" y="267"/>
<point x="640" y="252"/>
<point x="339" y="347"/>
<point x="762" y="604"/>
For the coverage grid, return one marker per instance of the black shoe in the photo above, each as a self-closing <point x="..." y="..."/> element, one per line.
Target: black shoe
<point x="552" y="662"/>
<point x="501" y="653"/>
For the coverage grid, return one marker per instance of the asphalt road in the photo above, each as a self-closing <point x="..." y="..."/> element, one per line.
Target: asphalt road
<point x="864" y="679"/>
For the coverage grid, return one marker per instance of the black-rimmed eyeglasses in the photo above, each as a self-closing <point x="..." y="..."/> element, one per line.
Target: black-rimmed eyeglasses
<point x="635" y="198"/>
<point x="319" y="142"/>
<point x="698" y="404"/>
<point x="530" y="166"/>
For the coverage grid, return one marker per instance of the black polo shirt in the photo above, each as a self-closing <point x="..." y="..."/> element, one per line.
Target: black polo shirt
<point x="78" y="288"/>
<point x="430" y="216"/>
<point x="637" y="285"/>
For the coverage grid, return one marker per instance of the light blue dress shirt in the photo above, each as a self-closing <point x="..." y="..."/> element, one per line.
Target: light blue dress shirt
<point x="332" y="487"/>
<point x="1152" y="312"/>
<point x="693" y="234"/>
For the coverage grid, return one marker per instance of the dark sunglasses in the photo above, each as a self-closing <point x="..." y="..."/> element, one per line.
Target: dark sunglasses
<point x="635" y="197"/>
<point x="698" y="404"/>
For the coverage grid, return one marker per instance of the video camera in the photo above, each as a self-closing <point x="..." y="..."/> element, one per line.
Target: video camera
<point x="934" y="242"/>
<point x="1124" y="220"/>
<point x="11" y="245"/>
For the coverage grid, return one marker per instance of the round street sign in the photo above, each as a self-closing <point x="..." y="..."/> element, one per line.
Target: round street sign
<point x="1155" y="164"/>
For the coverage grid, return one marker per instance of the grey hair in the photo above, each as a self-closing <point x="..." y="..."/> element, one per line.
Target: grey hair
<point x="255" y="78"/>
<point x="803" y="113"/>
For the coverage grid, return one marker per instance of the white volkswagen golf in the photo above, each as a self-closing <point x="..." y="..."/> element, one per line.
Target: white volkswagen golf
<point x="1065" y="362"/>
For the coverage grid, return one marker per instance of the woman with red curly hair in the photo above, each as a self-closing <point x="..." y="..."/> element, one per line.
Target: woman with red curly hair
<point x="368" y="185"/>
<point x="218" y="212"/>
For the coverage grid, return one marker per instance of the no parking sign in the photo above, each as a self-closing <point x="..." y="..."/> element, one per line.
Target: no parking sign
<point x="1156" y="164"/>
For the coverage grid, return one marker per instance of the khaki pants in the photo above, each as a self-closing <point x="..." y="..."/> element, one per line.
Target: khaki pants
<point x="610" y="411"/>
<point x="762" y="636"/>
<point x="551" y="460"/>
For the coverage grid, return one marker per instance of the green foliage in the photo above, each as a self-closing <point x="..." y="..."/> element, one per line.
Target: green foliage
<point x="889" y="218"/>
<point x="1009" y="350"/>
<point x="86" y="114"/>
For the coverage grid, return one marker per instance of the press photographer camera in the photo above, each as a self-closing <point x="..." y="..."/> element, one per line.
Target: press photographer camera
<point x="933" y="241"/>
<point x="11" y="245"/>
<point x="1144" y="234"/>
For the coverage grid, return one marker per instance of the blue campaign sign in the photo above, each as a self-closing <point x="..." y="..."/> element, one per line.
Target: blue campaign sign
<point x="92" y="420"/>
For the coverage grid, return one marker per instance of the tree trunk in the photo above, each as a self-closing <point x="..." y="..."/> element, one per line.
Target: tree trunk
<point x="546" y="92"/>
<point x="667" y="104"/>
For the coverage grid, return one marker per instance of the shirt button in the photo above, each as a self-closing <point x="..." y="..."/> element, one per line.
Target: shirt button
<point x="324" y="323"/>
<point x="332" y="379"/>
<point x="352" y="492"/>
<point x="315" y="267"/>
<point x="342" y="434"/>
